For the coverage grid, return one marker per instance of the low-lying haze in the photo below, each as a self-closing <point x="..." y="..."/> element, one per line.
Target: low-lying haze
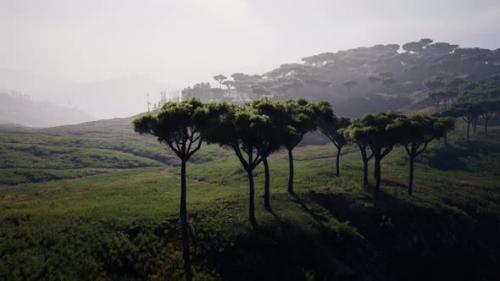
<point x="104" y="56"/>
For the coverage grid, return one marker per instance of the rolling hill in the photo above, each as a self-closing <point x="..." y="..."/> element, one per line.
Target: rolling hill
<point x="365" y="79"/>
<point x="99" y="99"/>
<point x="95" y="201"/>
<point x="21" y="110"/>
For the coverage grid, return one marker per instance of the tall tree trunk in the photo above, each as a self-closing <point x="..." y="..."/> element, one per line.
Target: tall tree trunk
<point x="474" y="125"/>
<point x="410" y="180"/>
<point x="486" y="127"/>
<point x="251" y="200"/>
<point x="365" y="173"/>
<point x="290" y="171"/>
<point x="377" y="173"/>
<point x="337" y="161"/>
<point x="468" y="130"/>
<point x="364" y="157"/>
<point x="184" y="224"/>
<point x="267" y="195"/>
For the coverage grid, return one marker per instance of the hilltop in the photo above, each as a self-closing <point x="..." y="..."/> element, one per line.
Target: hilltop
<point x="364" y="79"/>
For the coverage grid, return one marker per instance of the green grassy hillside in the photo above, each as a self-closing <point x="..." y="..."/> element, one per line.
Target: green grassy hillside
<point x="104" y="207"/>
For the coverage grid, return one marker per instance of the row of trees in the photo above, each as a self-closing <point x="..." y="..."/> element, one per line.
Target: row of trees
<point x="479" y="103"/>
<point x="474" y="112"/>
<point x="255" y="130"/>
<point x="376" y="135"/>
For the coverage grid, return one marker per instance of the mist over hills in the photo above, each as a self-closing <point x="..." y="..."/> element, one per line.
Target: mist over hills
<point x="108" y="194"/>
<point x="244" y="140"/>
<point x="16" y="108"/>
<point x="357" y="81"/>
<point x="364" y="79"/>
<point x="103" y="99"/>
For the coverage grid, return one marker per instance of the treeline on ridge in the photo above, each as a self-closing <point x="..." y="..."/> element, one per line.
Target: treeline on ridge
<point x="366" y="79"/>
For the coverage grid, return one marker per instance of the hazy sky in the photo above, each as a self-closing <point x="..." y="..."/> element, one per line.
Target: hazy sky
<point x="182" y="42"/>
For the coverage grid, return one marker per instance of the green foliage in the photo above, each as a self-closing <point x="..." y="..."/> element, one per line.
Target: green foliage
<point x="417" y="130"/>
<point x="113" y="227"/>
<point x="415" y="133"/>
<point x="302" y="116"/>
<point x="123" y="226"/>
<point x="332" y="126"/>
<point x="277" y="133"/>
<point x="374" y="130"/>
<point x="178" y="124"/>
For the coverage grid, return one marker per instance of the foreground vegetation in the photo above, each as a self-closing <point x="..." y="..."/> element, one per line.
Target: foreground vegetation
<point x="122" y="225"/>
<point x="256" y="129"/>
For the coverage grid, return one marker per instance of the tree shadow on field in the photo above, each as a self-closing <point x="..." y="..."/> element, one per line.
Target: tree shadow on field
<point x="320" y="219"/>
<point x="394" y="184"/>
<point x="448" y="158"/>
<point x="457" y="156"/>
<point x="282" y="249"/>
<point x="414" y="242"/>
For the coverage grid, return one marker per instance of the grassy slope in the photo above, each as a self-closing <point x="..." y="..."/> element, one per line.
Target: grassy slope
<point x="38" y="157"/>
<point x="122" y="225"/>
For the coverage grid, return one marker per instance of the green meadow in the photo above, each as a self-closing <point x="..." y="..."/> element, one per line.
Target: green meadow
<point x="106" y="208"/>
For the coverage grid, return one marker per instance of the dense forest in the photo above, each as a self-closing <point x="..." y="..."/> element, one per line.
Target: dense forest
<point x="412" y="76"/>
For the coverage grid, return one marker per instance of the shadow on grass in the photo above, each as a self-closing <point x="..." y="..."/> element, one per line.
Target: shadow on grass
<point x="457" y="156"/>
<point x="393" y="184"/>
<point x="317" y="217"/>
<point x="418" y="243"/>
<point x="283" y="250"/>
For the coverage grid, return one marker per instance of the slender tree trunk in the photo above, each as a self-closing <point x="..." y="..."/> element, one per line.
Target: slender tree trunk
<point x="337" y="161"/>
<point x="474" y="125"/>
<point x="364" y="157"/>
<point x="377" y="173"/>
<point x="365" y="173"/>
<point x="290" y="171"/>
<point x="251" y="200"/>
<point x="468" y="130"/>
<point x="184" y="224"/>
<point x="267" y="195"/>
<point x="410" y="180"/>
<point x="445" y="138"/>
<point x="486" y="127"/>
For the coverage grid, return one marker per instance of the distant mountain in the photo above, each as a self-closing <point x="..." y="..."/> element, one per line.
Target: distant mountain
<point x="17" y="109"/>
<point x="118" y="97"/>
<point x="365" y="79"/>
